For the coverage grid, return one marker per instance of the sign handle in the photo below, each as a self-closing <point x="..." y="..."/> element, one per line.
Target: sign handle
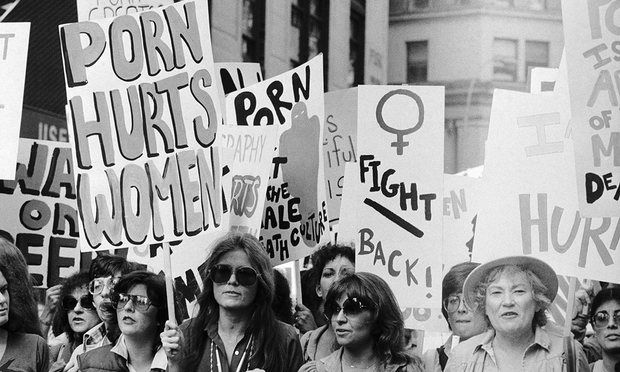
<point x="169" y="287"/>
<point x="297" y="274"/>
<point x="568" y="320"/>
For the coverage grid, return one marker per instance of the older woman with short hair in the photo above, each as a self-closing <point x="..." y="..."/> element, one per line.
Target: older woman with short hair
<point x="514" y="292"/>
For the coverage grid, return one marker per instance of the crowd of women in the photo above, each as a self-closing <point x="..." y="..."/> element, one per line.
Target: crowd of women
<point x="115" y="318"/>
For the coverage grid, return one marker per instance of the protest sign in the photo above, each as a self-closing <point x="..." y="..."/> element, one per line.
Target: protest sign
<point x="460" y="207"/>
<point x="39" y="210"/>
<point x="391" y="206"/>
<point x="339" y="147"/>
<point x="530" y="198"/>
<point x="231" y="76"/>
<point x="295" y="219"/>
<point x="88" y="10"/>
<point x="592" y="52"/>
<point x="246" y="186"/>
<point x="13" y="53"/>
<point x="143" y="126"/>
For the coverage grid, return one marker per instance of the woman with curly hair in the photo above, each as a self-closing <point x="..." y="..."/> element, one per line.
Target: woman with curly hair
<point x="235" y="329"/>
<point x="24" y="349"/>
<point x="74" y="316"/>
<point x="368" y="325"/>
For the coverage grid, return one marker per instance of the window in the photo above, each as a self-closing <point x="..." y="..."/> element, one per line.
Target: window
<point x="309" y="22"/>
<point x="253" y="31"/>
<point x="417" y="61"/>
<point x="505" y="60"/>
<point x="356" y="43"/>
<point x="536" y="55"/>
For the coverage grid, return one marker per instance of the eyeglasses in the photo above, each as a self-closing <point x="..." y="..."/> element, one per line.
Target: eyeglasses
<point x="601" y="319"/>
<point x="351" y="306"/>
<point x="69" y="302"/>
<point x="140" y="303"/>
<point x="246" y="276"/>
<point x="452" y="303"/>
<point x="97" y="285"/>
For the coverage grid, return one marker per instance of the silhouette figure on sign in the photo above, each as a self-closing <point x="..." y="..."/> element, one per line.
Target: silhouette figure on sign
<point x="299" y="145"/>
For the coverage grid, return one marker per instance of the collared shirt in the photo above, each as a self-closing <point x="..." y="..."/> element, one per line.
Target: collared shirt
<point x="92" y="339"/>
<point x="546" y="353"/>
<point x="204" y="347"/>
<point x="159" y="363"/>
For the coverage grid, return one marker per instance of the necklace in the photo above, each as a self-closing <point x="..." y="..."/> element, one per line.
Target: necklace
<point x="349" y="364"/>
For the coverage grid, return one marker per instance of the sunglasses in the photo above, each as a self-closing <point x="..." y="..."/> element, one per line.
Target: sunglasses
<point x="68" y="303"/>
<point x="351" y="306"/>
<point x="140" y="303"/>
<point x="601" y="319"/>
<point x="97" y="285"/>
<point x="246" y="276"/>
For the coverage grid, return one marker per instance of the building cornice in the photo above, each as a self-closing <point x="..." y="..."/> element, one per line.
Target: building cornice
<point x="471" y="11"/>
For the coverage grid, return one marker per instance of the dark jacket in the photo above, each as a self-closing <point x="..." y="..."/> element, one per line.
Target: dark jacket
<point x="101" y="359"/>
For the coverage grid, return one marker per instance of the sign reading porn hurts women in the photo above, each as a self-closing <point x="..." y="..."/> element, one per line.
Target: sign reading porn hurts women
<point x="143" y="114"/>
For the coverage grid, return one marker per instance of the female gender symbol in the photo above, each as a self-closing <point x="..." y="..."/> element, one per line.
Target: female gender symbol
<point x="400" y="133"/>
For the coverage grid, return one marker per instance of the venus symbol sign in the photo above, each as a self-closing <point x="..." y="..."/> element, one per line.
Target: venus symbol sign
<point x="393" y="109"/>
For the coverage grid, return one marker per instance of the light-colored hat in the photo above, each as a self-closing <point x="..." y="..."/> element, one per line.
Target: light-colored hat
<point x="540" y="268"/>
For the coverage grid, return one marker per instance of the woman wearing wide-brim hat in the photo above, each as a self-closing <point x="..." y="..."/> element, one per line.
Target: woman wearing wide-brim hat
<point x="514" y="292"/>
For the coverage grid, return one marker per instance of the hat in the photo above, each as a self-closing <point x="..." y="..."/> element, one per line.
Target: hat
<point x="540" y="268"/>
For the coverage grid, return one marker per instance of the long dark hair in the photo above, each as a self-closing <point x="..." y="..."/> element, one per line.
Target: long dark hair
<point x="388" y="327"/>
<point x="23" y="314"/>
<point x="269" y="351"/>
<point x="61" y="318"/>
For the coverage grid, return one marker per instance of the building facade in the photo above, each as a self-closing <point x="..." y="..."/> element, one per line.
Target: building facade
<point x="282" y="34"/>
<point x="471" y="47"/>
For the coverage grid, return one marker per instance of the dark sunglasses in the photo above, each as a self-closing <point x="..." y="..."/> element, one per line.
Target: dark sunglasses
<point x="246" y="276"/>
<point x="140" y="303"/>
<point x="601" y="319"/>
<point x="69" y="302"/>
<point x="351" y="306"/>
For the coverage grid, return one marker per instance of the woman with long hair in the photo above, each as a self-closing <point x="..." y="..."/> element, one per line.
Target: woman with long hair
<point x="21" y="346"/>
<point x="368" y="325"/>
<point x="235" y="328"/>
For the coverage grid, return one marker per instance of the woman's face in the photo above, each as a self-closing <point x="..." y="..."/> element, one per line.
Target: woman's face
<point x="464" y="322"/>
<point x="352" y="330"/>
<point x="608" y="336"/>
<point x="510" y="303"/>
<point x="333" y="271"/>
<point x="231" y="295"/>
<point x="135" y="319"/>
<point x="81" y="319"/>
<point x="101" y="299"/>
<point x="4" y="300"/>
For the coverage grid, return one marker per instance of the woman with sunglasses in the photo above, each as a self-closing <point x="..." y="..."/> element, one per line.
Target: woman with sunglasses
<point x="605" y="319"/>
<point x="141" y="310"/>
<point x="368" y="326"/>
<point x="463" y="322"/>
<point x="75" y="315"/>
<point x="21" y="347"/>
<point x="235" y="328"/>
